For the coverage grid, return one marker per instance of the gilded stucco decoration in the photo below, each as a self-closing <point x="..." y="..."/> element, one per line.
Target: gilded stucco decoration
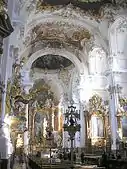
<point x="15" y="102"/>
<point x="123" y="107"/>
<point x="16" y="106"/>
<point x="8" y="98"/>
<point x="96" y="106"/>
<point x="16" y="88"/>
<point x="17" y="98"/>
<point x="18" y="93"/>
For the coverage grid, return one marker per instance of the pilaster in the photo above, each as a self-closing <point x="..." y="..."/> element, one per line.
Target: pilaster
<point x="117" y="69"/>
<point x="114" y="89"/>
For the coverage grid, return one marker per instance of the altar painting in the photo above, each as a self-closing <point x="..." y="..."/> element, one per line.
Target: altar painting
<point x="97" y="126"/>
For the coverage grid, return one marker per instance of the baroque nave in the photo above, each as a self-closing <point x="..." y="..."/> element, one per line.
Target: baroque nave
<point x="63" y="77"/>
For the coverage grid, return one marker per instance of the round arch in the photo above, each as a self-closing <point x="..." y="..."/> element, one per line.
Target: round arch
<point x="118" y="30"/>
<point x="61" y="52"/>
<point x="118" y="20"/>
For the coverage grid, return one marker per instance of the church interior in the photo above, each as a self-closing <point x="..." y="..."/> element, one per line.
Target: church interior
<point x="63" y="84"/>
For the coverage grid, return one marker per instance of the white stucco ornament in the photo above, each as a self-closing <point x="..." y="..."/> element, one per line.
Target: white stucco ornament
<point x="97" y="61"/>
<point x="118" y="38"/>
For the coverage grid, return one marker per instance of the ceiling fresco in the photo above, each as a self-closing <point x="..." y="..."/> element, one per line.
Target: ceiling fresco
<point x="51" y="62"/>
<point x="57" y="34"/>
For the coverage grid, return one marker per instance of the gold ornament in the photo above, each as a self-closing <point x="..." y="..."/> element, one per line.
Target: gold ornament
<point x="96" y="105"/>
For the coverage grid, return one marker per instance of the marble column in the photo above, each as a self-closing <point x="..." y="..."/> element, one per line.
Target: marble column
<point x="118" y="64"/>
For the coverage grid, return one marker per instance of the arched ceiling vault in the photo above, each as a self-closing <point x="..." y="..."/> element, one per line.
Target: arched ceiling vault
<point x="58" y="32"/>
<point x="55" y="35"/>
<point x="62" y="52"/>
<point x="61" y="28"/>
<point x="42" y="19"/>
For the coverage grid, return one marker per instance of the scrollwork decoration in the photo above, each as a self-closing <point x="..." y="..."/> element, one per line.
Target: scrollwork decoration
<point x="96" y="105"/>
